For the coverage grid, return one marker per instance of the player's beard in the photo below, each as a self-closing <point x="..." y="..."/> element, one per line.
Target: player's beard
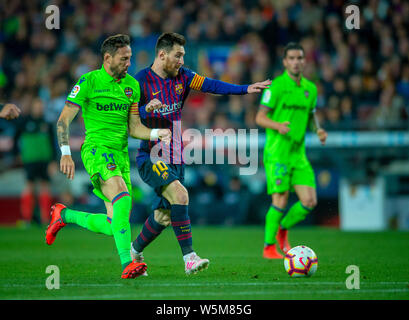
<point x="117" y="72"/>
<point x="170" y="70"/>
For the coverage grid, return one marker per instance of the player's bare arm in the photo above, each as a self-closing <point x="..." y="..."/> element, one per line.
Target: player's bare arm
<point x="264" y="121"/>
<point x="321" y="133"/>
<point x="9" y="111"/>
<point x="67" y="165"/>
<point x="258" y="86"/>
<point x="138" y="130"/>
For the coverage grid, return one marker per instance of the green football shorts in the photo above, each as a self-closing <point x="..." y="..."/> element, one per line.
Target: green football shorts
<point x="103" y="162"/>
<point x="282" y="175"/>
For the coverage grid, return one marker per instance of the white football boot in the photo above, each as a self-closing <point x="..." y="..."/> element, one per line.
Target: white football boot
<point x="194" y="264"/>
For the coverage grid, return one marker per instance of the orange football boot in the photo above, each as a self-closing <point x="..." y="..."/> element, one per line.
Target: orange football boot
<point x="134" y="270"/>
<point x="56" y="223"/>
<point x="282" y="238"/>
<point x="270" y="252"/>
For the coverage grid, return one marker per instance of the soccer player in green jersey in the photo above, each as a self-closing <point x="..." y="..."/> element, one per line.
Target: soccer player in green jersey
<point x="286" y="110"/>
<point x="108" y="98"/>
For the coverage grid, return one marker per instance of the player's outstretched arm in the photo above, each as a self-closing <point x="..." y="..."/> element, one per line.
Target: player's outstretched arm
<point x="9" y="111"/>
<point x="205" y="84"/>
<point x="258" y="86"/>
<point x="264" y="121"/>
<point x="67" y="165"/>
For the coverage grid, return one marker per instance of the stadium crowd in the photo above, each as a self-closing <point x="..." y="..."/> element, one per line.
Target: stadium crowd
<point x="362" y="74"/>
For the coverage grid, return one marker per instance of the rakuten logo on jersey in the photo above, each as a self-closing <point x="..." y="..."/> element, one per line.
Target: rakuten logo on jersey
<point x="169" y="109"/>
<point x="113" y="106"/>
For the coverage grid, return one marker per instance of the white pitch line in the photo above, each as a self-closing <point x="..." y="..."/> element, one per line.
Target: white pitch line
<point x="199" y="284"/>
<point x="241" y="293"/>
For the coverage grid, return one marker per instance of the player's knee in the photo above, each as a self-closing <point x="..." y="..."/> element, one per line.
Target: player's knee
<point x="309" y="202"/>
<point x="162" y="217"/>
<point x="280" y="200"/>
<point x="178" y="194"/>
<point x="182" y="197"/>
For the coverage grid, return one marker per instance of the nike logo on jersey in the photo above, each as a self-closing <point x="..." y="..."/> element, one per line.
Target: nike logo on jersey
<point x="155" y="93"/>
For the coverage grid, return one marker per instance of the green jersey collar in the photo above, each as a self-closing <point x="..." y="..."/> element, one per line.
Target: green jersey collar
<point x="292" y="81"/>
<point x="106" y="76"/>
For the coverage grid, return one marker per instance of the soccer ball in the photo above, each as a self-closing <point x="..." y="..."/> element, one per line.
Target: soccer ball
<point x="300" y="261"/>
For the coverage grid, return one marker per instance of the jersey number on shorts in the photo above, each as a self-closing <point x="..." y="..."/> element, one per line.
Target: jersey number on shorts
<point x="161" y="169"/>
<point x="106" y="156"/>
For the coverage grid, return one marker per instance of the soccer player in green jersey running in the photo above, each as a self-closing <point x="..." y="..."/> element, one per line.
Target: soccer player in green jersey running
<point x="286" y="110"/>
<point x="108" y="98"/>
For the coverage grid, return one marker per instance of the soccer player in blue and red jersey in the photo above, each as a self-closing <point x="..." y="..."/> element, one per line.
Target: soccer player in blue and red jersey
<point x="167" y="80"/>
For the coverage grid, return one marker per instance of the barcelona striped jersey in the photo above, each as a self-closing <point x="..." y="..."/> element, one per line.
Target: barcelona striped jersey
<point x="172" y="92"/>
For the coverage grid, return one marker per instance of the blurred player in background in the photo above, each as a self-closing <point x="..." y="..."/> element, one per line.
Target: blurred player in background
<point x="109" y="100"/>
<point x="286" y="109"/>
<point x="9" y="111"/>
<point x="34" y="145"/>
<point x="167" y="80"/>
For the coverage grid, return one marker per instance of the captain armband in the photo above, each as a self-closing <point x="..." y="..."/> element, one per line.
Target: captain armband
<point x="134" y="109"/>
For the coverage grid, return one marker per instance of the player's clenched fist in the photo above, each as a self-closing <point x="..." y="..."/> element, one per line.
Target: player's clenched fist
<point x="283" y="127"/>
<point x="165" y="135"/>
<point x="153" y="105"/>
<point x="322" y="135"/>
<point x="67" y="166"/>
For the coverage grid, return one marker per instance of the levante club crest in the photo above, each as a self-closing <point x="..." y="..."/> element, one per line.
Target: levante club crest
<point x="179" y="88"/>
<point x="128" y="92"/>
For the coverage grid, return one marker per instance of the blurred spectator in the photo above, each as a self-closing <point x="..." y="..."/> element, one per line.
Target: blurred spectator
<point x="402" y="86"/>
<point x="390" y="111"/>
<point x="236" y="200"/>
<point x="34" y="146"/>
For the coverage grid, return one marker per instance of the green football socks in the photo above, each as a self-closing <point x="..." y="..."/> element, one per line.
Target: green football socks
<point x="296" y="214"/>
<point x="95" y="222"/>
<point x="273" y="218"/>
<point x="121" y="228"/>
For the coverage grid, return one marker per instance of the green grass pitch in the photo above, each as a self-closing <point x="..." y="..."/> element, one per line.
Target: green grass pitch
<point x="89" y="266"/>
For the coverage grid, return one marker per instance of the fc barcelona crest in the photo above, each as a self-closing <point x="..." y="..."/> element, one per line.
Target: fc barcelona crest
<point x="306" y="93"/>
<point x="128" y="92"/>
<point x="179" y="88"/>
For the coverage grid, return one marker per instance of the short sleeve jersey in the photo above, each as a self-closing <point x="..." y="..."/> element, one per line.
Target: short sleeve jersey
<point x="105" y="103"/>
<point x="291" y="102"/>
